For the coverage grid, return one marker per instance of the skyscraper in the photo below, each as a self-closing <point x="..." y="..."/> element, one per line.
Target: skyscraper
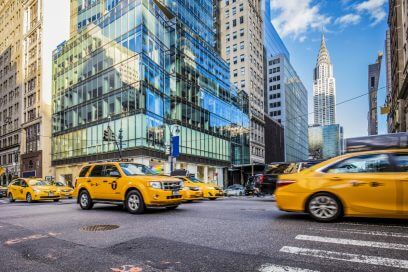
<point x="148" y="70"/>
<point x="373" y="79"/>
<point x="240" y="35"/>
<point x="324" y="88"/>
<point x="28" y="31"/>
<point x="285" y="94"/>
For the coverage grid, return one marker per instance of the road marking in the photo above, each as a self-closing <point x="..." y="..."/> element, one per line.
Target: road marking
<point x="30" y="238"/>
<point x="352" y="242"/>
<point x="280" y="268"/>
<point x="373" y="225"/>
<point x="355" y="258"/>
<point x="374" y="233"/>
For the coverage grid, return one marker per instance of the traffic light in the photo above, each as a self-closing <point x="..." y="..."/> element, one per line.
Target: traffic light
<point x="106" y="135"/>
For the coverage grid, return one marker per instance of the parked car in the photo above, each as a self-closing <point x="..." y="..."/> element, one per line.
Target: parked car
<point x="3" y="191"/>
<point x="234" y="190"/>
<point x="365" y="184"/>
<point x="133" y="185"/>
<point x="266" y="182"/>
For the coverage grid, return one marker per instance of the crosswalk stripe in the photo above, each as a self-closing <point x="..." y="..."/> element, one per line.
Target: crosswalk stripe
<point x="373" y="225"/>
<point x="352" y="242"/>
<point x="281" y="268"/>
<point x="374" y="233"/>
<point x="356" y="258"/>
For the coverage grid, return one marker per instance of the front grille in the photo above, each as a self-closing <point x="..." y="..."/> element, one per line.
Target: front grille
<point x="171" y="186"/>
<point x="174" y="197"/>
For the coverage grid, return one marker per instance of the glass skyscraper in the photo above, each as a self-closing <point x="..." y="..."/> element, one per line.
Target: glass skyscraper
<point x="145" y="67"/>
<point x="285" y="94"/>
<point x="325" y="142"/>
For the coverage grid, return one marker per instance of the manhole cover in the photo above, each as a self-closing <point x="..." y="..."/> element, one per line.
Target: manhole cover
<point x="100" y="228"/>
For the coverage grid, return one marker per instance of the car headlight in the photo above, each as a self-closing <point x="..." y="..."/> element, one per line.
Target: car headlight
<point x="210" y="188"/>
<point x="155" y="184"/>
<point x="187" y="188"/>
<point x="37" y="191"/>
<point x="181" y="184"/>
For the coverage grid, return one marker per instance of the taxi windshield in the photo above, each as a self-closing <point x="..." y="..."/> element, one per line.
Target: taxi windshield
<point x="132" y="169"/>
<point x="39" y="183"/>
<point x="194" y="179"/>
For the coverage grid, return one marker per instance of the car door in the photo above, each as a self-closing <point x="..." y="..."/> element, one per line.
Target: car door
<point x="23" y="189"/>
<point x="94" y="182"/>
<point x="366" y="183"/>
<point x="14" y="189"/>
<point x="401" y="163"/>
<point x="113" y="182"/>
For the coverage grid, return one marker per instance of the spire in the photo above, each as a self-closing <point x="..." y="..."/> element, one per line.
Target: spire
<point x="323" y="52"/>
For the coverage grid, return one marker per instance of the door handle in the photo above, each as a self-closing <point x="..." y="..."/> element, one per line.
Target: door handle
<point x="357" y="183"/>
<point x="376" y="184"/>
<point x="105" y="181"/>
<point x="88" y="181"/>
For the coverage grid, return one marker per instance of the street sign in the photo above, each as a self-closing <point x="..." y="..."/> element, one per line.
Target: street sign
<point x="175" y="146"/>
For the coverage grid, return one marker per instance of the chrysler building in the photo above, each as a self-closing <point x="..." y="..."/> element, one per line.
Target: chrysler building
<point x="324" y="88"/>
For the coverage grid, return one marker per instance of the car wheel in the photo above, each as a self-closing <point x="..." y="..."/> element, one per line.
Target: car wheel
<point x="172" y="207"/>
<point x="325" y="207"/>
<point x="10" y="197"/>
<point x="84" y="200"/>
<point x="29" y="198"/>
<point x="134" y="202"/>
<point x="56" y="200"/>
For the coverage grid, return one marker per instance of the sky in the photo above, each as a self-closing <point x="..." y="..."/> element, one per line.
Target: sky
<point x="355" y="33"/>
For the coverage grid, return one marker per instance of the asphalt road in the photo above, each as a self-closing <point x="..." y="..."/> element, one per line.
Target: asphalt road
<point x="233" y="234"/>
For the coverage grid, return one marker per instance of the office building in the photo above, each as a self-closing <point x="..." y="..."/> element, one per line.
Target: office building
<point x="240" y="42"/>
<point x="286" y="98"/>
<point x="147" y="70"/>
<point x="27" y="33"/>
<point x="324" y="88"/>
<point x="325" y="142"/>
<point x="373" y="79"/>
<point x="274" y="141"/>
<point x="285" y="95"/>
<point x="397" y="40"/>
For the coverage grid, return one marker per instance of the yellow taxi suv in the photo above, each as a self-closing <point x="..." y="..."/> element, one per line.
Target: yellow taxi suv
<point x="133" y="185"/>
<point x="365" y="184"/>
<point x="64" y="190"/>
<point x="209" y="190"/>
<point x="32" y="190"/>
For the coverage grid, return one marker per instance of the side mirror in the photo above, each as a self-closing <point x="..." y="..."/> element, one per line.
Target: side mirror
<point x="114" y="174"/>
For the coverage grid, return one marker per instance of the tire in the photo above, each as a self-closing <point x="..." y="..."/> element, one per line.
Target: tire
<point x="10" y="197"/>
<point x="85" y="200"/>
<point x="56" y="200"/>
<point x="324" y="207"/>
<point x="172" y="207"/>
<point x="29" y="198"/>
<point x="134" y="202"/>
<point x="212" y="198"/>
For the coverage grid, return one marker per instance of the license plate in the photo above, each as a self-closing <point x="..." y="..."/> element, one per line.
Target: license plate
<point x="50" y="194"/>
<point x="176" y="193"/>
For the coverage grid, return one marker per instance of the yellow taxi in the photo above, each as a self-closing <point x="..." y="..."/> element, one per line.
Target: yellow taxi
<point x="364" y="184"/>
<point x="191" y="191"/>
<point x="31" y="189"/>
<point x="64" y="190"/>
<point x="209" y="190"/>
<point x="133" y="185"/>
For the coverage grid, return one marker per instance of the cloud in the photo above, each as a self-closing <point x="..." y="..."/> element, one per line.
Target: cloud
<point x="296" y="17"/>
<point x="375" y="9"/>
<point x="348" y="19"/>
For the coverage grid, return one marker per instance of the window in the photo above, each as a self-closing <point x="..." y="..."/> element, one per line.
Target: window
<point x="361" y="164"/>
<point x="97" y="171"/>
<point x="109" y="169"/>
<point x="401" y="161"/>
<point x="241" y="19"/>
<point x="241" y="32"/>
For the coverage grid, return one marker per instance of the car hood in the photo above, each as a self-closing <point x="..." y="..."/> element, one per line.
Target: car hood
<point x="154" y="178"/>
<point x="44" y="188"/>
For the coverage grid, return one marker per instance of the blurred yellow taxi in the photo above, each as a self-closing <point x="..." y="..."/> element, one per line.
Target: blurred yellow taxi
<point x="190" y="191"/>
<point x="209" y="190"/>
<point x="364" y="184"/>
<point x="32" y="190"/>
<point x="64" y="190"/>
